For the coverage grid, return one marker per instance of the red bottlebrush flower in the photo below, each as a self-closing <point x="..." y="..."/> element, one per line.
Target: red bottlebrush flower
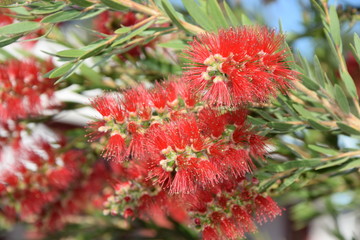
<point x="158" y="97"/>
<point x="243" y="220"/>
<point x="22" y="89"/>
<point x="109" y="105"/>
<point x="60" y="178"/>
<point x="226" y="225"/>
<point x="238" y="66"/>
<point x="212" y="122"/>
<point x="115" y="149"/>
<point x="266" y="208"/>
<point x="210" y="233"/>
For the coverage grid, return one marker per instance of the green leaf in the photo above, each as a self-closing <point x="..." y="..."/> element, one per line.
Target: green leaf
<point x="114" y="5"/>
<point x="323" y="150"/>
<point x="351" y="164"/>
<point x="348" y="129"/>
<point x="175" y="44"/>
<point x="82" y="3"/>
<point x="198" y="15"/>
<point x="20" y="27"/>
<point x="332" y="163"/>
<point x="335" y="26"/>
<point x="320" y="78"/>
<point x="256" y="121"/>
<point x="349" y="84"/>
<point x="264" y="186"/>
<point x="233" y="19"/>
<point x="302" y="111"/>
<point x="331" y="45"/>
<point x="132" y="34"/>
<point x="292" y="164"/>
<point x="69" y="72"/>
<point x="356" y="49"/>
<point x="341" y="99"/>
<point x="216" y="13"/>
<point x="317" y="125"/>
<point x="49" y="9"/>
<point x="170" y="11"/>
<point x="94" y="77"/>
<point x="280" y="126"/>
<point x="245" y="20"/>
<point x="290" y="180"/>
<point x="123" y="30"/>
<point x="61" y="70"/>
<point x="62" y="16"/>
<point x="310" y="84"/>
<point x="71" y="53"/>
<point x="93" y="51"/>
<point x="6" y="41"/>
<point x="89" y="14"/>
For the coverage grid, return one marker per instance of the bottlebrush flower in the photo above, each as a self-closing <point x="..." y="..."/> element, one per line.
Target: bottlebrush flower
<point x="23" y="90"/>
<point x="238" y="66"/>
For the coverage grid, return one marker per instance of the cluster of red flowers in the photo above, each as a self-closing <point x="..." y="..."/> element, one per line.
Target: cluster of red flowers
<point x="185" y="147"/>
<point x="24" y="91"/>
<point x="42" y="180"/>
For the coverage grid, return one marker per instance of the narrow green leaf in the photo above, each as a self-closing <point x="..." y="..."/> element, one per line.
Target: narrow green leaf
<point x="332" y="163"/>
<point x="175" y="44"/>
<point x="317" y="125"/>
<point x="82" y="3"/>
<point x="214" y="10"/>
<point x="6" y="41"/>
<point x="49" y="9"/>
<point x="114" y="5"/>
<point x="302" y="111"/>
<point x="264" y="186"/>
<point x="292" y="164"/>
<point x="349" y="84"/>
<point x="19" y="27"/>
<point x="132" y="34"/>
<point x="93" y="51"/>
<point x="348" y="129"/>
<point x="170" y="11"/>
<point x="280" y="126"/>
<point x="290" y="180"/>
<point x="310" y="84"/>
<point x="71" y="53"/>
<point x="332" y="46"/>
<point x="89" y="14"/>
<point x="123" y="30"/>
<point x="233" y="19"/>
<point x="319" y="73"/>
<point x="62" y="16"/>
<point x="256" y="121"/>
<point x="69" y="72"/>
<point x="61" y="70"/>
<point x="198" y="15"/>
<point x="357" y="42"/>
<point x="318" y="7"/>
<point x="94" y="77"/>
<point x="351" y="164"/>
<point x="341" y="99"/>
<point x="323" y="150"/>
<point x="335" y="26"/>
<point x="245" y="20"/>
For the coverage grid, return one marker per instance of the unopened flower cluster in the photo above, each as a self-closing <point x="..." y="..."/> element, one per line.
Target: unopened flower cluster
<point x="185" y="147"/>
